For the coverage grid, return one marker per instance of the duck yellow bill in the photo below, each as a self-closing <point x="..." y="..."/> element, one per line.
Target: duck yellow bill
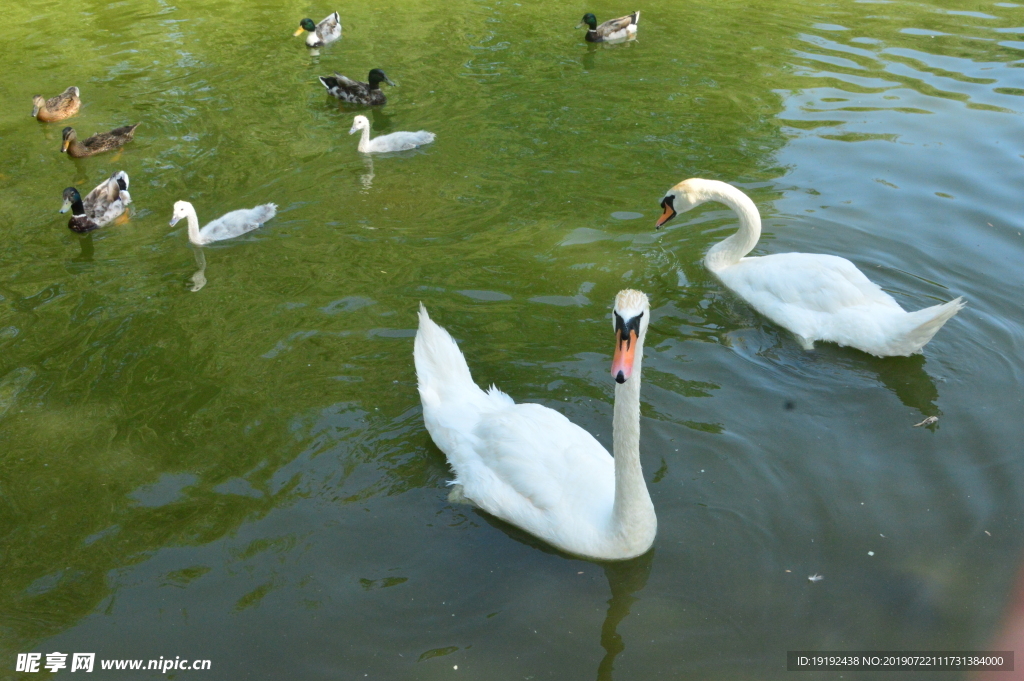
<point x="298" y="31"/>
<point x="64" y="146"/>
<point x="622" y="362"/>
<point x="666" y="216"/>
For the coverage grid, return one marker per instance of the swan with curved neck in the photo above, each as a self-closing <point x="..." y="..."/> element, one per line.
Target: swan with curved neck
<point x="227" y="226"/>
<point x="815" y="296"/>
<point x="531" y="466"/>
<point x="396" y="141"/>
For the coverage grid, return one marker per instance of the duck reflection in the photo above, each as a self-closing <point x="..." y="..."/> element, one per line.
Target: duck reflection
<point x="380" y="121"/>
<point x="87" y="248"/>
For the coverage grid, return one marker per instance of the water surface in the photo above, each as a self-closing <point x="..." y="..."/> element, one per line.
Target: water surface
<point x="241" y="473"/>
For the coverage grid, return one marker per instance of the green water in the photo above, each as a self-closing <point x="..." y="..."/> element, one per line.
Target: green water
<point x="241" y="473"/>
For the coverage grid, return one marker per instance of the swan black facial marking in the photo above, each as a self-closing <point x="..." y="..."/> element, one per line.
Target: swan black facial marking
<point x="624" y="327"/>
<point x="667" y="204"/>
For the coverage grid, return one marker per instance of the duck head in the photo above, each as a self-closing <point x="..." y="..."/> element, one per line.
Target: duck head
<point x="67" y="136"/>
<point x="305" y="25"/>
<point x="37" y="103"/>
<point x="588" y="20"/>
<point x="630" y="317"/>
<point x="377" y="77"/>
<point x="71" y="197"/>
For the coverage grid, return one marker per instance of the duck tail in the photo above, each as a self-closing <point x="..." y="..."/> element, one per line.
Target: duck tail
<point x="121" y="178"/>
<point x="441" y="369"/>
<point x="921" y="325"/>
<point x="324" y="79"/>
<point x="636" y="17"/>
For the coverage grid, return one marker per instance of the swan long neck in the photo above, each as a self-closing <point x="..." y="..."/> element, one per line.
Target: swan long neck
<point x="729" y="251"/>
<point x="193" y="226"/>
<point x="364" y="141"/>
<point x="633" y="509"/>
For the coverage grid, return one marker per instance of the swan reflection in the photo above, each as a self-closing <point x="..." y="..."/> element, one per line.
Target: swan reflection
<point x="367" y="178"/>
<point x="199" y="277"/>
<point x="625" y="579"/>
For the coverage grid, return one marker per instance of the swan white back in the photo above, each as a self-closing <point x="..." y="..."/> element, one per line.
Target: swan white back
<point x="227" y="226"/>
<point x="816" y="297"/>
<point x="396" y="141"/>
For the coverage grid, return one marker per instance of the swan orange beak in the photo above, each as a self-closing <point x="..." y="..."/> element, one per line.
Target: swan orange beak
<point x="669" y="213"/>
<point x="298" y="31"/>
<point x="625" y="350"/>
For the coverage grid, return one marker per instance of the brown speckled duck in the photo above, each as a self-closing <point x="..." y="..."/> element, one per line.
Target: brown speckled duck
<point x="101" y="206"/>
<point x="64" y="105"/>
<point x="98" y="143"/>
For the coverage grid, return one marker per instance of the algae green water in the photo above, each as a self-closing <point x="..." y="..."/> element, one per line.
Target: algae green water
<point x="241" y="473"/>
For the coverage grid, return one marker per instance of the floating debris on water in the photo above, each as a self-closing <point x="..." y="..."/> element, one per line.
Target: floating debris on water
<point x="815" y="578"/>
<point x="927" y="422"/>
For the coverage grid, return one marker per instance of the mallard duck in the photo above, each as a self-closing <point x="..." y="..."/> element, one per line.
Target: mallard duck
<point x="227" y="226"/>
<point x="64" y="105"/>
<point x="348" y="90"/>
<point x="532" y="467"/>
<point x="327" y="31"/>
<point x="100" y="207"/>
<point x="815" y="296"/>
<point x="98" y="143"/>
<point x="396" y="141"/>
<point x="613" y="29"/>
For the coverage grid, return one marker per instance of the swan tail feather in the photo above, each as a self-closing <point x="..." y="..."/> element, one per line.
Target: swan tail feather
<point x="922" y="325"/>
<point x="265" y="212"/>
<point x="441" y="369"/>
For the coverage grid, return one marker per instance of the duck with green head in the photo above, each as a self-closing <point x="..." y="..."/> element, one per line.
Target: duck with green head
<point x="614" y="29"/>
<point x="327" y="31"/>
<point x="357" y="92"/>
<point x="100" y="207"/>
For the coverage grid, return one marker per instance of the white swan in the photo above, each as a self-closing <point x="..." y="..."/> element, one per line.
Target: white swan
<point x="530" y="465"/>
<point x="227" y="226"/>
<point x="817" y="297"/>
<point x="396" y="141"/>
